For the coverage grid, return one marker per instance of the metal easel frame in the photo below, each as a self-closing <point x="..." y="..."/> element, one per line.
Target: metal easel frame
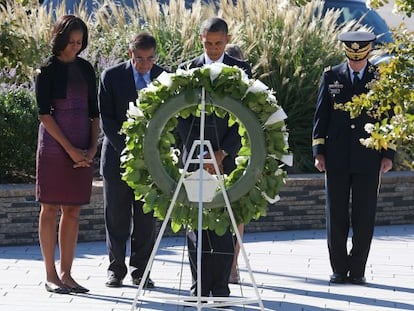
<point x="199" y="301"/>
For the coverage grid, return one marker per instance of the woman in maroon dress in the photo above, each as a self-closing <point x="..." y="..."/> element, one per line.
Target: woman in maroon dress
<point x="66" y="96"/>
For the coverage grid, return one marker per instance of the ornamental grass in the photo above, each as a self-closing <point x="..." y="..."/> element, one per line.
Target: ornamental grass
<point x="288" y="46"/>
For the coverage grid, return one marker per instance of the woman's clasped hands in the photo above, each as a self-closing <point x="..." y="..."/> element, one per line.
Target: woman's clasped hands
<point x="82" y="158"/>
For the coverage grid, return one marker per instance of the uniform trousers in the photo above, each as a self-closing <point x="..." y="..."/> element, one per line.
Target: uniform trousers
<point x="362" y="190"/>
<point x="125" y="220"/>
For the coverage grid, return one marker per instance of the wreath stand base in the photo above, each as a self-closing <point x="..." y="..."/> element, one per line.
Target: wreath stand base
<point x="199" y="301"/>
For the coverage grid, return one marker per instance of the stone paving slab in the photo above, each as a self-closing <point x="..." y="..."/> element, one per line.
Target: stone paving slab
<point x="291" y="269"/>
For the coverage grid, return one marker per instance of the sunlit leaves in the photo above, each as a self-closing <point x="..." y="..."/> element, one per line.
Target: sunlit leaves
<point x="391" y="97"/>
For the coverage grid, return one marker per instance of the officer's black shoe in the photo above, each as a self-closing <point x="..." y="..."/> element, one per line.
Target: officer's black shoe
<point x="357" y="280"/>
<point x="338" y="278"/>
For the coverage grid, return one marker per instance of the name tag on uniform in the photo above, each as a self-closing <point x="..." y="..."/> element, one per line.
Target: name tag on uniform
<point x="335" y="88"/>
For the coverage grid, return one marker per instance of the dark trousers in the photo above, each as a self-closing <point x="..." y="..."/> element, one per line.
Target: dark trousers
<point x="363" y="190"/>
<point x="216" y="260"/>
<point x="122" y="212"/>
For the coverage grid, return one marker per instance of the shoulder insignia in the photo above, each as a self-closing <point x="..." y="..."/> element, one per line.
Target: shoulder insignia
<point x="327" y="69"/>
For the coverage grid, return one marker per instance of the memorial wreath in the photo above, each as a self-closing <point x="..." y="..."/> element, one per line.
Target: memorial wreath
<point x="151" y="164"/>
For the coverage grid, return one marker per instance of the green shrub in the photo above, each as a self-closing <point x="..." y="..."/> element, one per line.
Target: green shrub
<point x="18" y="135"/>
<point x="24" y="41"/>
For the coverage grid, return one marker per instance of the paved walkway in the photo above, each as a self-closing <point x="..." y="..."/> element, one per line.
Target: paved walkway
<point x="291" y="270"/>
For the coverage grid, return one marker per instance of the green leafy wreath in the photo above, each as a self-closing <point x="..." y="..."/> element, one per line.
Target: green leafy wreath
<point x="150" y="162"/>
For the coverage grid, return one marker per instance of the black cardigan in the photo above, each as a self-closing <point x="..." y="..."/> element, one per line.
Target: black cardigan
<point x="52" y="80"/>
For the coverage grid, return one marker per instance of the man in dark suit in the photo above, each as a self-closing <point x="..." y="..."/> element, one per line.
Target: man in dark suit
<point x="351" y="168"/>
<point x="118" y="87"/>
<point x="218" y="251"/>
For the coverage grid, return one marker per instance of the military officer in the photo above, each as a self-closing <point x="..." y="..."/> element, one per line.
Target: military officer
<point x="352" y="170"/>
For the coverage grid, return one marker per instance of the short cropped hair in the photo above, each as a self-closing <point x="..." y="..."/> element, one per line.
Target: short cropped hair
<point x="143" y="41"/>
<point x="214" y="24"/>
<point x="61" y="33"/>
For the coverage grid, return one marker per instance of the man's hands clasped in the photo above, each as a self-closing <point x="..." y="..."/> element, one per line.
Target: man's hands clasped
<point x="209" y="167"/>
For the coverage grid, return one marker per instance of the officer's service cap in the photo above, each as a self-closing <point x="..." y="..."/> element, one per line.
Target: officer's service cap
<point x="357" y="44"/>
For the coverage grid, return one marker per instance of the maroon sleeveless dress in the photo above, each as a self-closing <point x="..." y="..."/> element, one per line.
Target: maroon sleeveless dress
<point x="57" y="182"/>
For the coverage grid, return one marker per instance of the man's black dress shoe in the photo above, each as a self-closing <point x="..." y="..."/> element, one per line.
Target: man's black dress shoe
<point x="338" y="278"/>
<point x="53" y="288"/>
<point x="148" y="284"/>
<point x="113" y="281"/>
<point x="360" y="280"/>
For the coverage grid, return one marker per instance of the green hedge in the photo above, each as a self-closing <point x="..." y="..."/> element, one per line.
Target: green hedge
<point x="18" y="135"/>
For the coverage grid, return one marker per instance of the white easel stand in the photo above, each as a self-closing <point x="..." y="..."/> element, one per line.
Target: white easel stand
<point x="199" y="301"/>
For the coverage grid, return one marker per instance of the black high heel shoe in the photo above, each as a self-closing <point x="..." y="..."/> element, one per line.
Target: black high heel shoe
<point x="53" y="288"/>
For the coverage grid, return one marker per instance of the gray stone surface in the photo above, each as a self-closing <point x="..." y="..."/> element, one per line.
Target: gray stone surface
<point x="394" y="20"/>
<point x="291" y="269"/>
<point x="301" y="207"/>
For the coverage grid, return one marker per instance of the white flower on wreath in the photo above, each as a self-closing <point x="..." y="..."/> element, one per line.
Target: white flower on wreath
<point x="269" y="199"/>
<point x="240" y="159"/>
<point x="277" y="116"/>
<point x="134" y="111"/>
<point x="185" y="72"/>
<point x="257" y="87"/>
<point x="150" y="88"/>
<point x="285" y="158"/>
<point x="175" y="155"/>
<point x="271" y="98"/>
<point x="286" y="138"/>
<point x="279" y="172"/>
<point x="215" y="70"/>
<point x="165" y="79"/>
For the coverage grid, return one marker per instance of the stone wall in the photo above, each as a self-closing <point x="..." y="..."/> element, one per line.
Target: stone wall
<point x="301" y="207"/>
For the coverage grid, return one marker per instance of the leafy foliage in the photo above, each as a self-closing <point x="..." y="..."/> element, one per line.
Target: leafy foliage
<point x="18" y="133"/>
<point x="229" y="81"/>
<point x="391" y="96"/>
<point x="23" y="42"/>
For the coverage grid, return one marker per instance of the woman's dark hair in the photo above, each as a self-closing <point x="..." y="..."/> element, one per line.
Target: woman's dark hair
<point x="61" y="33"/>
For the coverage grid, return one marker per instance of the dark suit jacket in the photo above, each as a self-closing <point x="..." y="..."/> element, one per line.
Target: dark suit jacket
<point x="116" y="90"/>
<point x="228" y="60"/>
<point x="217" y="130"/>
<point x="335" y="134"/>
